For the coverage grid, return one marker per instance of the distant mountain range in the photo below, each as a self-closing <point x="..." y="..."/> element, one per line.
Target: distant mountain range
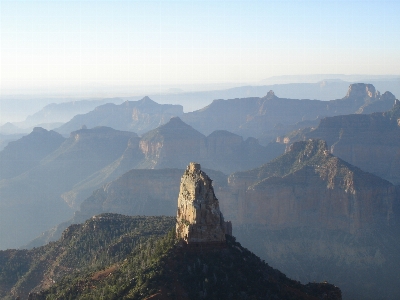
<point x="143" y="115"/>
<point x="263" y="118"/>
<point x="267" y="116"/>
<point x="312" y="210"/>
<point x="138" y="116"/>
<point x="91" y="157"/>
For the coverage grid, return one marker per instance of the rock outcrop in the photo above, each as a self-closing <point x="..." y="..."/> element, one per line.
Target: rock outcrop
<point x="317" y="217"/>
<point x="368" y="141"/>
<point x="175" y="144"/>
<point x="308" y="186"/>
<point x="199" y="219"/>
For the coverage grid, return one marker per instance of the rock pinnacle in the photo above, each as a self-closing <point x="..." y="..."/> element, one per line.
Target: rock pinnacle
<point x="199" y="219"/>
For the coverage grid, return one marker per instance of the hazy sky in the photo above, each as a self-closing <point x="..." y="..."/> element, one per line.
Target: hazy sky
<point x="91" y="44"/>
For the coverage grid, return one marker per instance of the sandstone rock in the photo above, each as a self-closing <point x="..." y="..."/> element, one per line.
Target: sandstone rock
<point x="369" y="142"/>
<point x="308" y="186"/>
<point x="199" y="219"/>
<point x="361" y="90"/>
<point x="175" y="144"/>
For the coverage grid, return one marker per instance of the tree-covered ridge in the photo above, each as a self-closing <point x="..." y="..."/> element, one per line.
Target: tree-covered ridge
<point x="112" y="256"/>
<point x="165" y="269"/>
<point x="99" y="242"/>
<point x="128" y="278"/>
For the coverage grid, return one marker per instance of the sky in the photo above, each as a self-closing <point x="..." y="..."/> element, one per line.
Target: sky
<point x="82" y="46"/>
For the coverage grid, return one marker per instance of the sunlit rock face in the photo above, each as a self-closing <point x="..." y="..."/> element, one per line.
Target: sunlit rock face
<point x="199" y="219"/>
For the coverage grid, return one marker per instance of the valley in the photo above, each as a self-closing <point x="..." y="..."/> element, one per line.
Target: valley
<point x="319" y="203"/>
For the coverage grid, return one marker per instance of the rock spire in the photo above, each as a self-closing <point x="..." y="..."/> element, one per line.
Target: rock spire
<point x="199" y="219"/>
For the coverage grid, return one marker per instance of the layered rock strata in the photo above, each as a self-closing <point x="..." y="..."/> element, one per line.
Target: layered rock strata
<point x="199" y="219"/>
<point x="308" y="186"/>
<point x="370" y="142"/>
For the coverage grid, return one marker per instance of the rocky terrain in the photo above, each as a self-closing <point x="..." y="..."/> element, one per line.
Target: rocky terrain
<point x="319" y="218"/>
<point x="315" y="212"/>
<point x="307" y="212"/>
<point x="5" y="139"/>
<point x="308" y="185"/>
<point x="148" y="267"/>
<point x="114" y="256"/>
<point x="174" y="145"/>
<point x="90" y="158"/>
<point x="370" y="142"/>
<point x="199" y="219"/>
<point x="137" y="192"/>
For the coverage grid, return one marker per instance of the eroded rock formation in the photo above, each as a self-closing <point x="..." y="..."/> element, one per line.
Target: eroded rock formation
<point x="199" y="219"/>
<point x="308" y="186"/>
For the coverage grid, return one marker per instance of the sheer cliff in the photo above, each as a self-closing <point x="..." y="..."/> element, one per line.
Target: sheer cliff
<point x="368" y="141"/>
<point x="316" y="216"/>
<point x="309" y="186"/>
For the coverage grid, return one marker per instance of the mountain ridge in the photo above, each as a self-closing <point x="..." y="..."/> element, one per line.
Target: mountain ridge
<point x="138" y="116"/>
<point x="368" y="141"/>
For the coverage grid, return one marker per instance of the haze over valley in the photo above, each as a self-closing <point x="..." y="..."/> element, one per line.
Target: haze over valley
<point x="199" y="150"/>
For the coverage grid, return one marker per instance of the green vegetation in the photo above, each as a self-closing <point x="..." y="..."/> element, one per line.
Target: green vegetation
<point x="99" y="242"/>
<point x="135" y="277"/>
<point x="112" y="256"/>
<point x="164" y="266"/>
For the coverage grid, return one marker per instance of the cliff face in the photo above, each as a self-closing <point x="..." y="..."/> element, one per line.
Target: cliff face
<point x="317" y="217"/>
<point x="176" y="143"/>
<point x="370" y="142"/>
<point x="307" y="212"/>
<point x="172" y="145"/>
<point x="308" y="186"/>
<point x="199" y="219"/>
<point x="141" y="192"/>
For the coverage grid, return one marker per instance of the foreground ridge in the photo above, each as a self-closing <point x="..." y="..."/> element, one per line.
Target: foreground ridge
<point x="143" y="261"/>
